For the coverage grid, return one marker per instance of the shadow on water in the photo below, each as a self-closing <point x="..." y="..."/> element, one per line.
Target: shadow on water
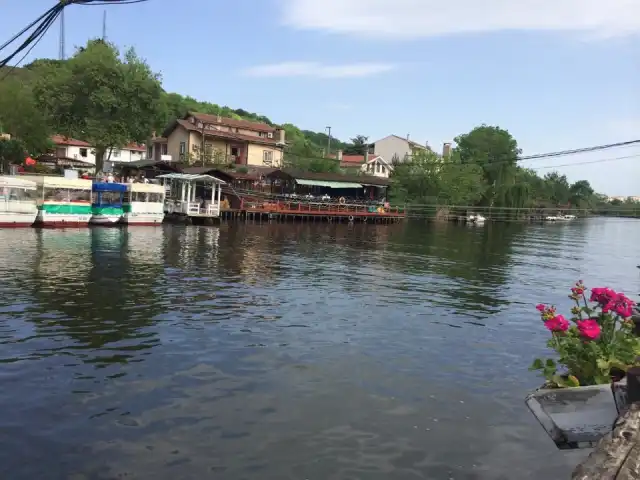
<point x="286" y="351"/>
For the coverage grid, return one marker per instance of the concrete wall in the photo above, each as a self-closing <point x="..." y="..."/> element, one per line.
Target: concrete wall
<point x="256" y="155"/>
<point x="390" y="146"/>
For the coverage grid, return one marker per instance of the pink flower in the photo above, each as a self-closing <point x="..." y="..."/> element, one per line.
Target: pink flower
<point x="577" y="290"/>
<point x="541" y="307"/>
<point x="622" y="305"/>
<point x="589" y="328"/>
<point x="602" y="295"/>
<point x="557" y="324"/>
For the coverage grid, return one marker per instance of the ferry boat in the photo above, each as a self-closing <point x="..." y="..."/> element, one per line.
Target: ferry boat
<point x="143" y="204"/>
<point x="107" y="203"/>
<point x="18" y="206"/>
<point x="62" y="202"/>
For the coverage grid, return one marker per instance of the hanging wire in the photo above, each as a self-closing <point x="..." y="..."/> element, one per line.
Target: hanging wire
<point x="44" y="23"/>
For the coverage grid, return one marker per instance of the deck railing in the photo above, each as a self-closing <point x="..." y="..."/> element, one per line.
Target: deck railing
<point x="322" y="208"/>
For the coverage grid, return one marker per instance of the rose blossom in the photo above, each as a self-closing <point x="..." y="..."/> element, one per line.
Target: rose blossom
<point x="541" y="307"/>
<point x="589" y="328"/>
<point x="557" y="324"/>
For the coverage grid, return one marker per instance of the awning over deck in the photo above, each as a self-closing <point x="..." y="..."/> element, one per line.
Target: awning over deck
<point x="191" y="177"/>
<point x="328" y="184"/>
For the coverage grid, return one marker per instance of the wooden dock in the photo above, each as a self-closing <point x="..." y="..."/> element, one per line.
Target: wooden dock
<point x="292" y="211"/>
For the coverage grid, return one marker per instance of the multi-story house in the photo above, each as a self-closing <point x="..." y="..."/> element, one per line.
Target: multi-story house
<point x="222" y="140"/>
<point x="368" y="164"/>
<point x="395" y="147"/>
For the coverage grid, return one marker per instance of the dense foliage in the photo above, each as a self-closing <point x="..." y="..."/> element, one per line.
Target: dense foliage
<point x="483" y="171"/>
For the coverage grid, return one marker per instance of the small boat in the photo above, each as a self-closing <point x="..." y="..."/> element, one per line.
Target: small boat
<point x="18" y="207"/>
<point x="63" y="202"/>
<point x="143" y="204"/>
<point x="568" y="217"/>
<point x="475" y="218"/>
<point x="107" y="203"/>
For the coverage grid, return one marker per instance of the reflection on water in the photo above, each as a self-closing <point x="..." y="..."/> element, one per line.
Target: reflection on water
<point x="287" y="351"/>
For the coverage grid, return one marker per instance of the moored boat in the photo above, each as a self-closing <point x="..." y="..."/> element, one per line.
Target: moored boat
<point x="107" y="203"/>
<point x="143" y="204"/>
<point x="18" y="206"/>
<point x="62" y="202"/>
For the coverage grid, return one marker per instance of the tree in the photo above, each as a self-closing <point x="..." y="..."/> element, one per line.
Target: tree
<point x="102" y="98"/>
<point x="11" y="151"/>
<point x="359" y="145"/>
<point x="21" y="118"/>
<point x="581" y="194"/>
<point x="496" y="151"/>
<point x="428" y="179"/>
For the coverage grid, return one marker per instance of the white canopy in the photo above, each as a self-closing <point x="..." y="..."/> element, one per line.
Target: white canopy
<point x="191" y="177"/>
<point x="17" y="182"/>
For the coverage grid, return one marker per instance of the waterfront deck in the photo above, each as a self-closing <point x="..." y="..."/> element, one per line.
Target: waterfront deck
<point x="315" y="212"/>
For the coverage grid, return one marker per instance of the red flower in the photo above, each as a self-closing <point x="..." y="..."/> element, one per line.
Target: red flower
<point x="602" y="295"/>
<point x="541" y="307"/>
<point x="589" y="328"/>
<point x="557" y="324"/>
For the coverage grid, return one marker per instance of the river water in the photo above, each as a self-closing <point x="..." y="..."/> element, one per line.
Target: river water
<point x="287" y="351"/>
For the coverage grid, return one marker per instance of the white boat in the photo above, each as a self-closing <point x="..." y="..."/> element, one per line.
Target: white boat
<point x="18" y="206"/>
<point x="143" y="204"/>
<point x="107" y="203"/>
<point x="63" y="202"/>
<point x="475" y="218"/>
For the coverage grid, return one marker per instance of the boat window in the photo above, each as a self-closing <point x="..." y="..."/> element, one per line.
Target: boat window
<point x="79" y="195"/>
<point x="16" y="193"/>
<point x="108" y="198"/>
<point x="56" y="194"/>
<point x="127" y="197"/>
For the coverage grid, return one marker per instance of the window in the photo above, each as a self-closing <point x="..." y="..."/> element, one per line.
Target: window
<point x="164" y="149"/>
<point x="384" y="170"/>
<point x="115" y="153"/>
<point x="183" y="148"/>
<point x="150" y="151"/>
<point x="83" y="152"/>
<point x="267" y="157"/>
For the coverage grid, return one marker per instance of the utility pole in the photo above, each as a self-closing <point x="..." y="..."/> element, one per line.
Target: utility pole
<point x="328" y="141"/>
<point x="104" y="26"/>
<point x="61" y="47"/>
<point x="203" y="144"/>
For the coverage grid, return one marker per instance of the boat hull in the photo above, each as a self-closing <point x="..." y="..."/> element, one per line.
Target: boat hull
<point x="17" y="220"/>
<point x="141" y="219"/>
<point x="105" y="220"/>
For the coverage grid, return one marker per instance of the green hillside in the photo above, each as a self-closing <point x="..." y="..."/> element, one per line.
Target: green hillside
<point x="175" y="105"/>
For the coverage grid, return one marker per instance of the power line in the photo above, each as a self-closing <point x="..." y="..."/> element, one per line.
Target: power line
<point x="44" y="22"/>
<point x="580" y="150"/>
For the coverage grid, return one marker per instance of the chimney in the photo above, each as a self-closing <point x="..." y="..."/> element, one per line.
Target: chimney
<point x="408" y="137"/>
<point x="280" y="133"/>
<point x="153" y="134"/>
<point x="340" y="155"/>
<point x="446" y="150"/>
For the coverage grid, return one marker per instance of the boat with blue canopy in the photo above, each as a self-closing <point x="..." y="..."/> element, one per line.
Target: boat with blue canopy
<point x="106" y="203"/>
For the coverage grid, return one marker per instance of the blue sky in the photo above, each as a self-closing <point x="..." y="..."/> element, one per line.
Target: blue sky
<point x="558" y="74"/>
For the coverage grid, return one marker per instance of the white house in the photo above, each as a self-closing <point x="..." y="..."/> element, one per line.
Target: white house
<point x="395" y="146"/>
<point x="377" y="166"/>
<point x="126" y="154"/>
<point x="73" y="149"/>
<point x="367" y="164"/>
